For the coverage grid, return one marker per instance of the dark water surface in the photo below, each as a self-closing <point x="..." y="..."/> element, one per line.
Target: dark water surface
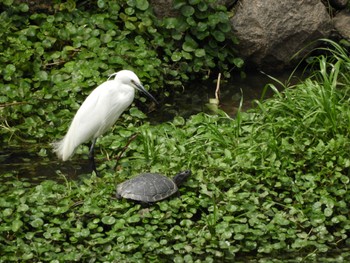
<point x="25" y="162"/>
<point x="195" y="99"/>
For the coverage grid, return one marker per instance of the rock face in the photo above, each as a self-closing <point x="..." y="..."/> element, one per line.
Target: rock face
<point x="163" y="8"/>
<point x="272" y="32"/>
<point x="342" y="24"/>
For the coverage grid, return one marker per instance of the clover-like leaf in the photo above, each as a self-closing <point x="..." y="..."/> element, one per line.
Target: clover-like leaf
<point x="187" y="10"/>
<point x="142" y="4"/>
<point x="108" y="220"/>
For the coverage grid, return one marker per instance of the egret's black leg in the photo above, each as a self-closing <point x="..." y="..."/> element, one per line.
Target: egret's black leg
<point x="92" y="157"/>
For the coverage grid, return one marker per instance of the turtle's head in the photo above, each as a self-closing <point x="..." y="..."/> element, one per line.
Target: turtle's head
<point x="181" y="177"/>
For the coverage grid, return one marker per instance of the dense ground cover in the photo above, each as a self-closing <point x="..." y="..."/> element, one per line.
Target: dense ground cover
<point x="270" y="181"/>
<point x="54" y="55"/>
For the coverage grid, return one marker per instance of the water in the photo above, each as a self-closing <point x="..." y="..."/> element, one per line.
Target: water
<point x="196" y="99"/>
<point x="25" y="163"/>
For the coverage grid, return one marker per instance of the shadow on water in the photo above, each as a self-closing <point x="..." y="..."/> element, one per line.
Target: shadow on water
<point x="24" y="163"/>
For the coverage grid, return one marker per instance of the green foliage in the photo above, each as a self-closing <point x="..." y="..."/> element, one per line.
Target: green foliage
<point x="51" y="62"/>
<point x="200" y="39"/>
<point x="274" y="180"/>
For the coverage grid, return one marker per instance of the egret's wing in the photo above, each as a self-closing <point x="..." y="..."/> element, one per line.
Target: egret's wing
<point x="90" y="116"/>
<point x="102" y="108"/>
<point x="112" y="75"/>
<point x="99" y="112"/>
<point x="80" y="130"/>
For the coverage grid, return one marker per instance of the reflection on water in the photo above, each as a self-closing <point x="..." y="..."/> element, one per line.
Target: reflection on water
<point x="25" y="163"/>
<point x="195" y="99"/>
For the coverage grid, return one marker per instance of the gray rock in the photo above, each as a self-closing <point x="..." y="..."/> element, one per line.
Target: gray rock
<point x="272" y="32"/>
<point x="163" y="8"/>
<point x="342" y="24"/>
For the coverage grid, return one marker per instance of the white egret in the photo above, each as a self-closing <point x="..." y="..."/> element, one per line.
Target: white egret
<point x="99" y="112"/>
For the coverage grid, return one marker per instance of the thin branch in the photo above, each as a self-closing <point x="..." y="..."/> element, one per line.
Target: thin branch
<point x="133" y="137"/>
<point x="13" y="103"/>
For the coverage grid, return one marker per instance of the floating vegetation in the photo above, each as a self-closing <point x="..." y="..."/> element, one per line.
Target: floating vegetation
<point x="272" y="182"/>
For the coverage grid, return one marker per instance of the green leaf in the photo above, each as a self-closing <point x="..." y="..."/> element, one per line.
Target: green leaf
<point x="186" y="55"/>
<point x="22" y="208"/>
<point x="24" y="7"/>
<point x="187" y="10"/>
<point x="130" y="11"/>
<point x="93" y="42"/>
<point x="176" y="56"/>
<point x="101" y="3"/>
<point x="42" y="75"/>
<point x="179" y="121"/>
<point x="238" y="62"/>
<point x="142" y="4"/>
<point x="328" y="211"/>
<point x="131" y="3"/>
<point x="170" y="22"/>
<point x="133" y="219"/>
<point x="219" y="36"/>
<point x="202" y="6"/>
<point x="178" y="4"/>
<point x="191" y="22"/>
<point x="7" y="212"/>
<point x="8" y="2"/>
<point x="10" y="69"/>
<point x="224" y="27"/>
<point x="130" y="26"/>
<point x="106" y="38"/>
<point x="37" y="222"/>
<point x="201" y="26"/>
<point x="199" y="53"/>
<point x="16" y="225"/>
<point x="140" y="40"/>
<point x="177" y="35"/>
<point x="190" y="44"/>
<point x="135" y="112"/>
<point x="108" y="220"/>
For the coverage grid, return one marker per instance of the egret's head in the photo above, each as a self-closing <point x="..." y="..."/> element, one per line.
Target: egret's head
<point x="130" y="78"/>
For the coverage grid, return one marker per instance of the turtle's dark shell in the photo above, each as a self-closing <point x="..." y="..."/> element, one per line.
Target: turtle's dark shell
<point x="148" y="187"/>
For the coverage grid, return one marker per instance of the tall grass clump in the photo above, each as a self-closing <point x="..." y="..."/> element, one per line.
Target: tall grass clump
<point x="300" y="141"/>
<point x="271" y="185"/>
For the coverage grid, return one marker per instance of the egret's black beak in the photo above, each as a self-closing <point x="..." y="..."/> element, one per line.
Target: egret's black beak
<point x="138" y="87"/>
<point x="142" y="89"/>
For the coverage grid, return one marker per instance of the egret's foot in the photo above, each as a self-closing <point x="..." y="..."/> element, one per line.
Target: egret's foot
<point x="97" y="173"/>
<point x="92" y="157"/>
<point x="93" y="166"/>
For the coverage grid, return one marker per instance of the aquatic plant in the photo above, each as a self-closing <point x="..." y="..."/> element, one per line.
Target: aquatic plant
<point x="52" y="59"/>
<point x="272" y="183"/>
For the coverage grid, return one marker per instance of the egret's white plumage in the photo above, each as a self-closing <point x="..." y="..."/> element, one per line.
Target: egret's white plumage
<point x="100" y="111"/>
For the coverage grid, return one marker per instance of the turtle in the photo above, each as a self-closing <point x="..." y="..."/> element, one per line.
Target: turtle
<point x="151" y="187"/>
